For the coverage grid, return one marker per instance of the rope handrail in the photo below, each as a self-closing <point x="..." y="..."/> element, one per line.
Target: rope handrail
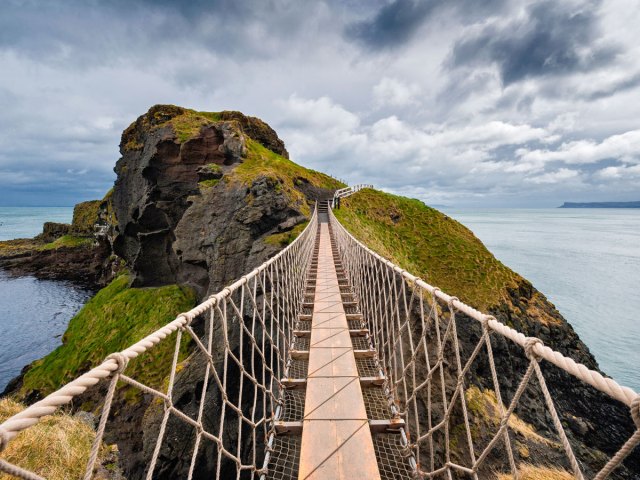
<point x="244" y="342"/>
<point x="414" y="327"/>
<point x="347" y="191"/>
<point x="265" y="303"/>
<point x="606" y="385"/>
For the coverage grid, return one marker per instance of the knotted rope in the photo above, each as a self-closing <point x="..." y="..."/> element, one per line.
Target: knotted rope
<point x="414" y="326"/>
<point x="248" y="333"/>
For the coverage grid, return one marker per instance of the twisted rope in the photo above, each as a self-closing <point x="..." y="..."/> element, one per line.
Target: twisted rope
<point x="260" y="309"/>
<point x="414" y="329"/>
<point x="249" y="331"/>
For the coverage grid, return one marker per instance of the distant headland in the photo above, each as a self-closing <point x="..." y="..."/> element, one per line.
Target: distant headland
<point x="601" y="205"/>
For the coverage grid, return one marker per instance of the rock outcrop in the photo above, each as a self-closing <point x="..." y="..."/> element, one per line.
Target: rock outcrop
<point x="197" y="198"/>
<point x="51" y="231"/>
<point x="80" y="252"/>
<point x="181" y="210"/>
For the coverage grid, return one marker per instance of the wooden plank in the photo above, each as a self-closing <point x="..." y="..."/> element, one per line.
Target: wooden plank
<point x="294" y="382"/>
<point x="386" y="426"/>
<point x="369" y="381"/>
<point x="364" y="353"/>
<point x="288" y="428"/>
<point x="336" y="436"/>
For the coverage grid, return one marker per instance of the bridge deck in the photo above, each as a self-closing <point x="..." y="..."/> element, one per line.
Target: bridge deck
<point x="336" y="439"/>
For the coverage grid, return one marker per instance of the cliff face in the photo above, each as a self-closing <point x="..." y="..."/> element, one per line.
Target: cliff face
<point x="201" y="199"/>
<point x="182" y="209"/>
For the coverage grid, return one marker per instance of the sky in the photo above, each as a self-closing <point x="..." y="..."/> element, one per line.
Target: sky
<point x="464" y="103"/>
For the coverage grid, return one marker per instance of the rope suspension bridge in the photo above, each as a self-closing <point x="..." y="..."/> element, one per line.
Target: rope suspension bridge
<point x="329" y="361"/>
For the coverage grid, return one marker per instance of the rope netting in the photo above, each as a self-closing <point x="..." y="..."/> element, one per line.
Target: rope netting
<point x="431" y="360"/>
<point x="244" y="333"/>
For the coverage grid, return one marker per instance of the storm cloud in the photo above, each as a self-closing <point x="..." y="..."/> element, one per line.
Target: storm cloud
<point x="465" y="102"/>
<point x="551" y="38"/>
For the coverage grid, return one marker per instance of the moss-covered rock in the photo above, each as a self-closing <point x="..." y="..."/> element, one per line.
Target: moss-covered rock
<point x="197" y="208"/>
<point x="85" y="216"/>
<point x="114" y="319"/>
<point x="187" y="124"/>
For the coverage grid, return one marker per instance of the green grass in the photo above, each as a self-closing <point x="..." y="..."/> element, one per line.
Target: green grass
<point x="429" y="245"/>
<point x="68" y="241"/>
<point x="190" y="122"/>
<point x="262" y="162"/>
<point x="213" y="167"/>
<point x="212" y="182"/>
<point x="285" y="238"/>
<point x="85" y="215"/>
<point x="114" y="319"/>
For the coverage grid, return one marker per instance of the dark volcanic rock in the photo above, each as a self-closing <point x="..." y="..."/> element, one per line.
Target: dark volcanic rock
<point x="84" y="265"/>
<point x="171" y="230"/>
<point x="52" y="231"/>
<point x="89" y="262"/>
<point x="258" y="130"/>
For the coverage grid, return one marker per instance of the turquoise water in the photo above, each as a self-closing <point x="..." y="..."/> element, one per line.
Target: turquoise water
<point x="586" y="261"/>
<point x="26" y="222"/>
<point x="33" y="313"/>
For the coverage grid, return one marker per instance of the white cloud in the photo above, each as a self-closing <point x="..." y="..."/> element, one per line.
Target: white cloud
<point x="395" y="93"/>
<point x="624" y="147"/>
<point x="557" y="176"/>
<point x="399" y="118"/>
<point x="620" y="172"/>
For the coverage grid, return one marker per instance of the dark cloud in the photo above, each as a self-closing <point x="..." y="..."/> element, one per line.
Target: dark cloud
<point x="393" y="25"/>
<point x="396" y="23"/>
<point x="554" y="38"/>
<point x="617" y="87"/>
<point x="87" y="33"/>
<point x="76" y="72"/>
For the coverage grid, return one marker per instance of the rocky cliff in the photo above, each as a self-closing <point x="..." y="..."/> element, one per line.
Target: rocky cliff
<point x="200" y="199"/>
<point x="198" y="193"/>
<point x="80" y="251"/>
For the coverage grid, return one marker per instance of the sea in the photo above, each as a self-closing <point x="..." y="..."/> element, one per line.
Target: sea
<point x="33" y="313"/>
<point x="586" y="261"/>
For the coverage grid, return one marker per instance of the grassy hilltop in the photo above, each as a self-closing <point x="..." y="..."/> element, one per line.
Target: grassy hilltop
<point x="428" y="244"/>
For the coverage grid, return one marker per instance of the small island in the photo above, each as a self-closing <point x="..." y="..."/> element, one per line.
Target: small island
<point x="600" y="205"/>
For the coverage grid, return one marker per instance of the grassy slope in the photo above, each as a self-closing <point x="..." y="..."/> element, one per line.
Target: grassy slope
<point x="57" y="448"/>
<point x="262" y="162"/>
<point x="428" y="244"/>
<point x="115" y="318"/>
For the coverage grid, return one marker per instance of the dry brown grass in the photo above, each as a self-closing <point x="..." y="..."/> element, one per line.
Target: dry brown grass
<point x="532" y="472"/>
<point x="484" y="404"/>
<point x="57" y="448"/>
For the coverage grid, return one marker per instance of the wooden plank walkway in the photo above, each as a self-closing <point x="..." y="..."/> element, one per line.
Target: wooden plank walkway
<point x="336" y="439"/>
